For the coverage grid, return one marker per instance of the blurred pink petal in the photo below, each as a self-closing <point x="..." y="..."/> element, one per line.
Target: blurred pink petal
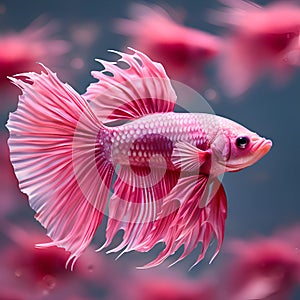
<point x="261" y="39"/>
<point x="166" y="286"/>
<point x="290" y="235"/>
<point x="11" y="294"/>
<point x="182" y="50"/>
<point x="263" y="268"/>
<point x="24" y="49"/>
<point x="39" y="272"/>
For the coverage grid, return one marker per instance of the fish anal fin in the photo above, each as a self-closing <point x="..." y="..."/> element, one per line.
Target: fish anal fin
<point x="194" y="224"/>
<point x="136" y="203"/>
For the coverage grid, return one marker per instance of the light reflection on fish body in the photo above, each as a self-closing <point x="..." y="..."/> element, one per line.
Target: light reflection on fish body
<point x="167" y="188"/>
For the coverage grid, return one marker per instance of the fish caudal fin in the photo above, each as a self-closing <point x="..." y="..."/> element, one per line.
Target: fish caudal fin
<point x="54" y="146"/>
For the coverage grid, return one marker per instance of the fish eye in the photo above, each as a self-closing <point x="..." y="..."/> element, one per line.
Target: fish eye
<point x="242" y="142"/>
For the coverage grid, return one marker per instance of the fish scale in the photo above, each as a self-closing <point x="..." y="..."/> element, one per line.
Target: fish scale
<point x="155" y="136"/>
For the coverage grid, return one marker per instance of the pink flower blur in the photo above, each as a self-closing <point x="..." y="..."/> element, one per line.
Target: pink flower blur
<point x="42" y="272"/>
<point x="260" y="40"/>
<point x="23" y="50"/>
<point x="168" y="289"/>
<point x="183" y="51"/>
<point x="263" y="268"/>
<point x="166" y="286"/>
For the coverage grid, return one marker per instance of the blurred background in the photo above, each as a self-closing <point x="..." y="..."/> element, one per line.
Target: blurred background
<point x="263" y="200"/>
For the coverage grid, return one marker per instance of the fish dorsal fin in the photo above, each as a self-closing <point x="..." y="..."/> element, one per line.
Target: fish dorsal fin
<point x="129" y="88"/>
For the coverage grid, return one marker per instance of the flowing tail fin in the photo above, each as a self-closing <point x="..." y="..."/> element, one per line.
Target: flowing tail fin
<point x="60" y="160"/>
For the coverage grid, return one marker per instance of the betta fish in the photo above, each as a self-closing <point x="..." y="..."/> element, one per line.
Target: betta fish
<point x="183" y="51"/>
<point x="66" y="150"/>
<point x="260" y="40"/>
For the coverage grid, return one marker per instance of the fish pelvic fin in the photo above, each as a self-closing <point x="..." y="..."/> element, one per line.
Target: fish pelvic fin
<point x="57" y="147"/>
<point x="131" y="87"/>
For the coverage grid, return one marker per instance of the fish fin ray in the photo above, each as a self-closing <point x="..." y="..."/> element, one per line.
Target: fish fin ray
<point x="188" y="157"/>
<point x="53" y="137"/>
<point x="192" y="223"/>
<point x="141" y="89"/>
<point x="134" y="206"/>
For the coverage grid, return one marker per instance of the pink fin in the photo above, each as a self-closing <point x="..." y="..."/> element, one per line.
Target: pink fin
<point x="58" y="161"/>
<point x="136" y="203"/>
<point x="168" y="211"/>
<point x="188" y="157"/>
<point x="140" y="88"/>
<point x="193" y="224"/>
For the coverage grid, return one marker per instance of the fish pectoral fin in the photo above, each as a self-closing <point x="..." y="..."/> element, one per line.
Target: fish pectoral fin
<point x="188" y="157"/>
<point x="140" y="89"/>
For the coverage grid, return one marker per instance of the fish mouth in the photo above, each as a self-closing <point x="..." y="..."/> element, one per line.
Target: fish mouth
<point x="259" y="149"/>
<point x="262" y="147"/>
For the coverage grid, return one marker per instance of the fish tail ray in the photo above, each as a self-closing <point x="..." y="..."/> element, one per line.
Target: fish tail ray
<point x="57" y="151"/>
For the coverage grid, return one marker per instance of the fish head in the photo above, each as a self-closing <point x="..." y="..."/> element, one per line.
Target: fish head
<point x="235" y="147"/>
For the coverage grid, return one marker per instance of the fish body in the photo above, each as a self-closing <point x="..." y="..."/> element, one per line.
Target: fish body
<point x="66" y="150"/>
<point x="157" y="134"/>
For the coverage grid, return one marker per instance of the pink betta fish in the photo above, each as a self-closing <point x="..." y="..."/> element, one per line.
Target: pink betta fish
<point x="182" y="50"/>
<point x="66" y="148"/>
<point x="260" y="40"/>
